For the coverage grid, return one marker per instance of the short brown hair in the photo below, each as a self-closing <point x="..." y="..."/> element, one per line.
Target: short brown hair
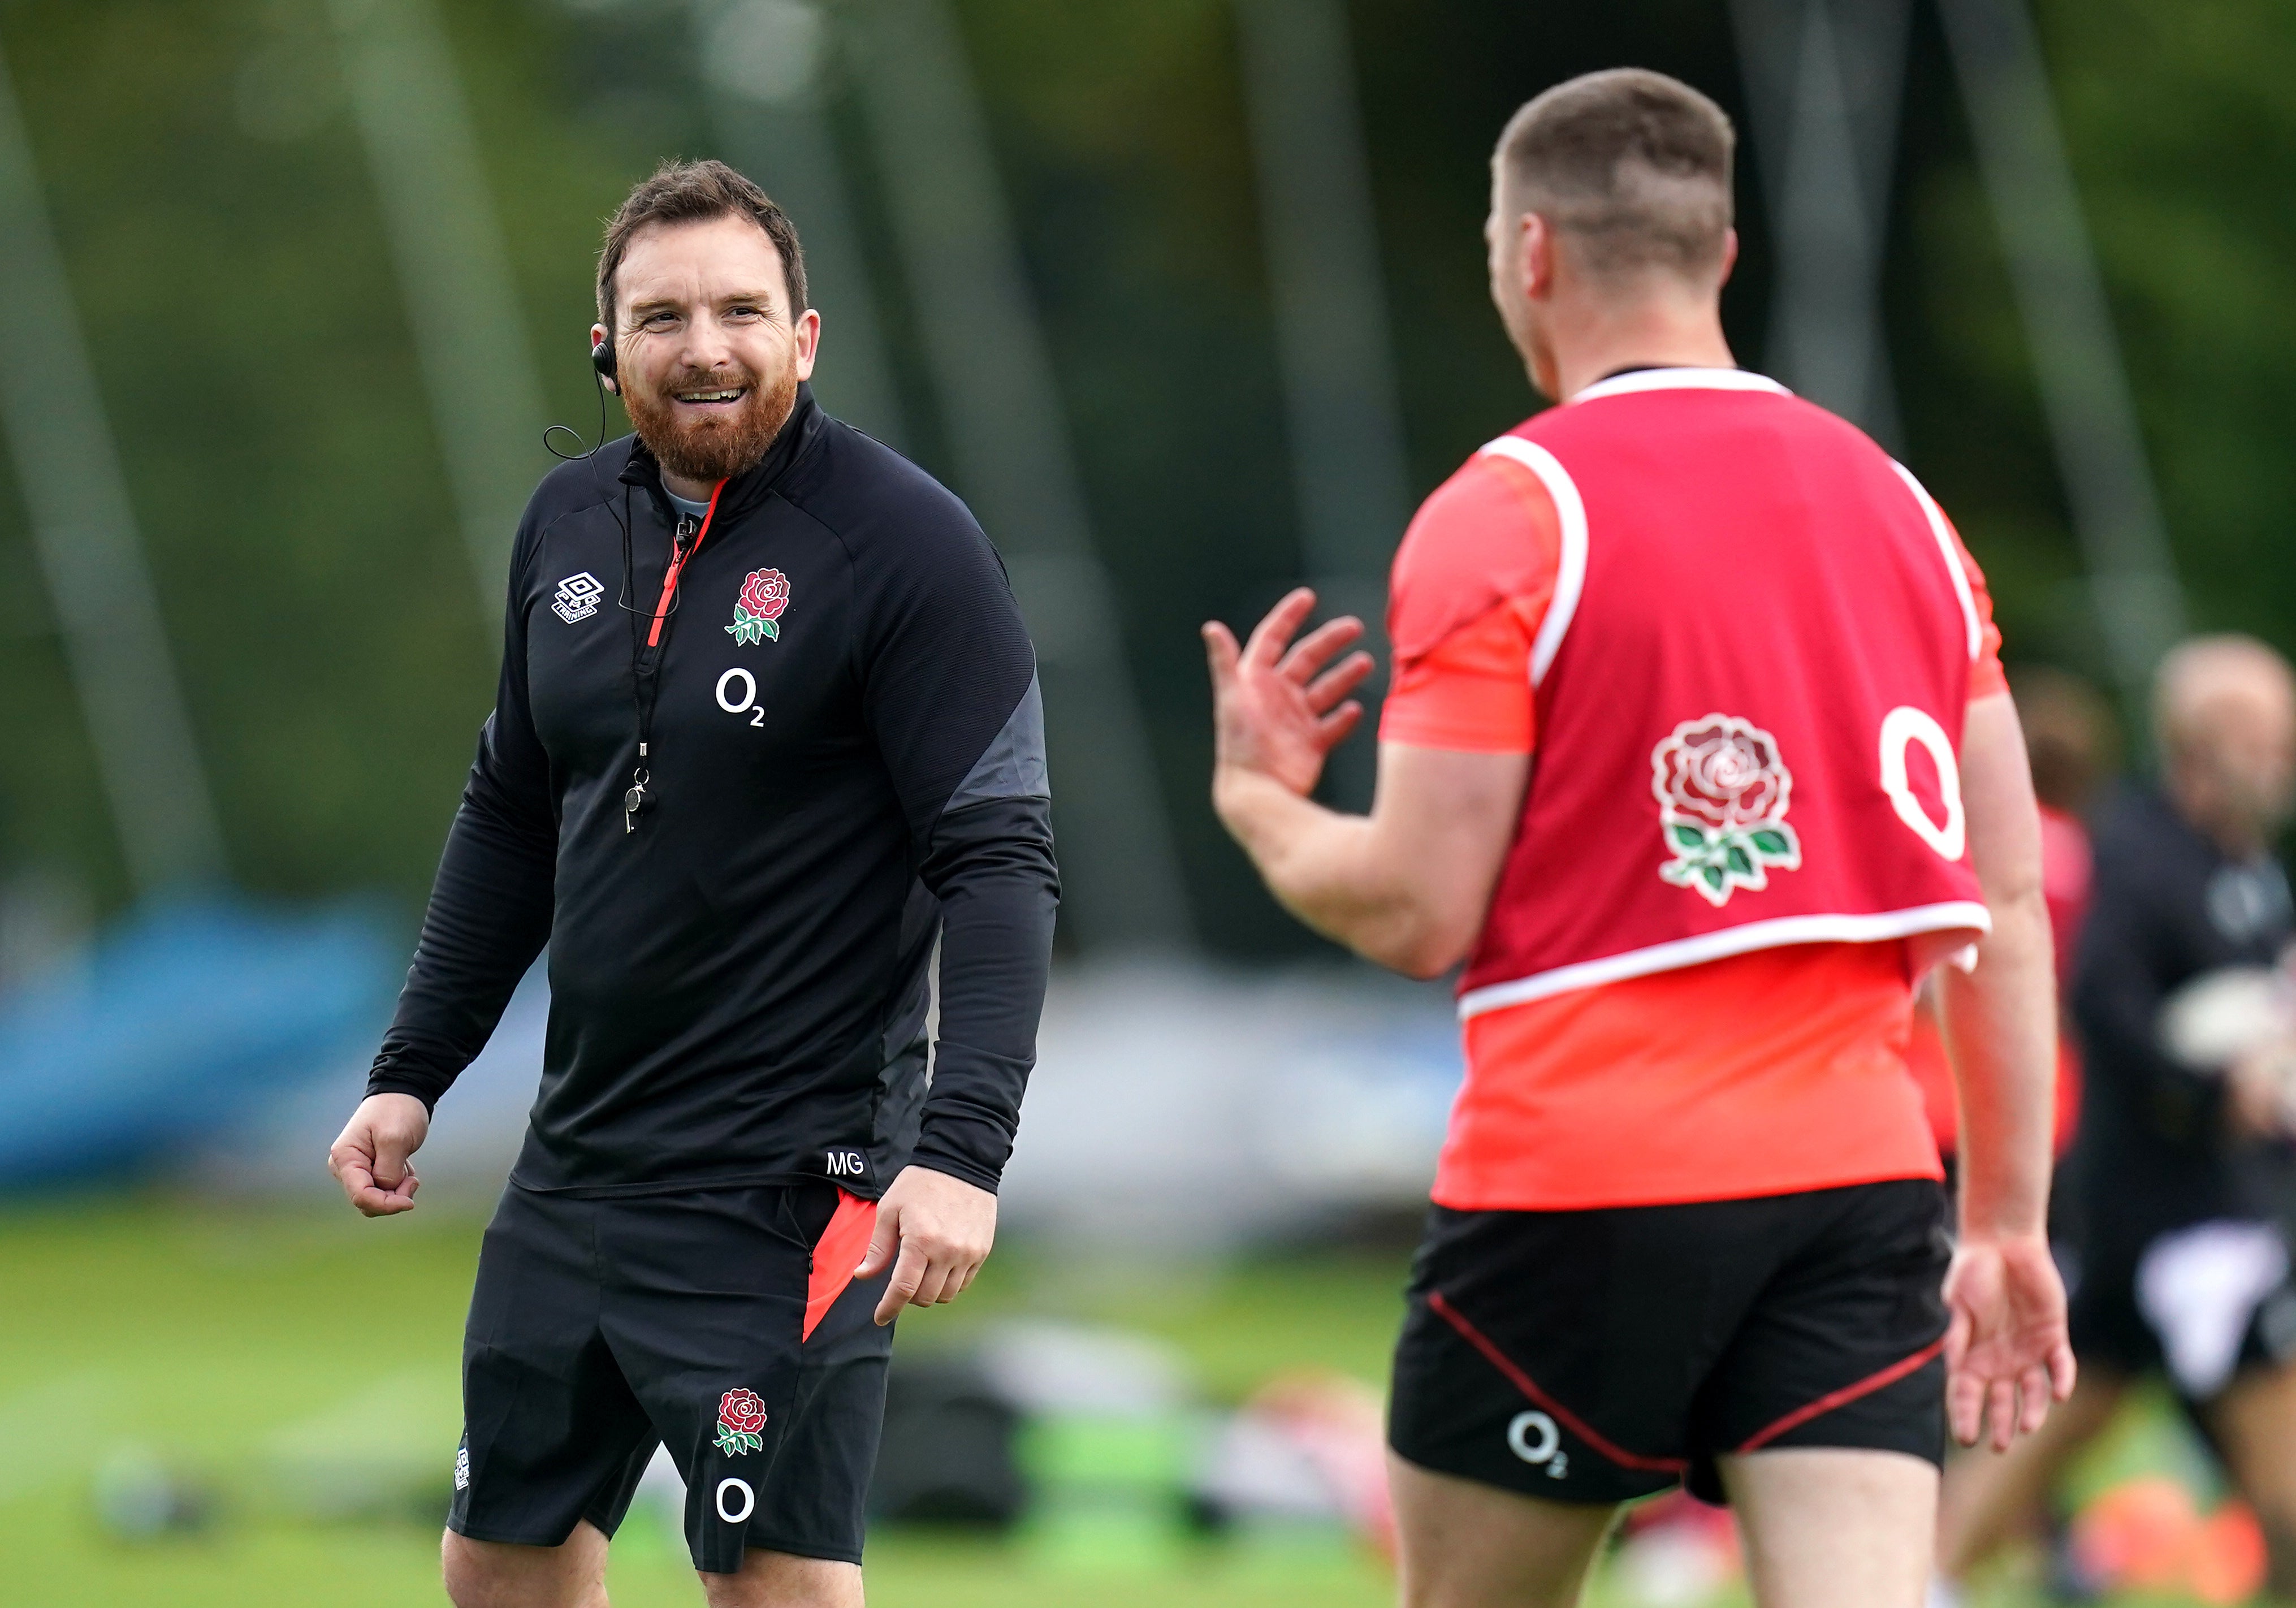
<point x="1632" y="164"/>
<point x="694" y="192"/>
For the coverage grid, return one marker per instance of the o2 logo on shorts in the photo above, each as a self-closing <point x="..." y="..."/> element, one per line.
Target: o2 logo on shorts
<point x="845" y="1163"/>
<point x="737" y="694"/>
<point x="730" y="1491"/>
<point x="1533" y="1438"/>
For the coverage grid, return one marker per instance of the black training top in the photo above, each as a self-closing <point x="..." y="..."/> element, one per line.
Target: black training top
<point x="2154" y="1152"/>
<point x="847" y="762"/>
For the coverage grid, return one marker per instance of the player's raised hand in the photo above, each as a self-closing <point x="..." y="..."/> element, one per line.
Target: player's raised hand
<point x="1280" y="707"/>
<point x="370" y="1158"/>
<point x="2006" y="1354"/>
<point x="940" y="1228"/>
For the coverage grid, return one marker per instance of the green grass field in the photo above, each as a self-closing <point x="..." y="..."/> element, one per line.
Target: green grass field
<point x="300" y="1365"/>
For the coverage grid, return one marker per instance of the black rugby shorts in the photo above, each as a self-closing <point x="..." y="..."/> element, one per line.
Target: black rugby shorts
<point x="1604" y="1355"/>
<point x="600" y="1328"/>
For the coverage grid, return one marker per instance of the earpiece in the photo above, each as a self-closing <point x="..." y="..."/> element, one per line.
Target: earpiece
<point x="601" y="364"/>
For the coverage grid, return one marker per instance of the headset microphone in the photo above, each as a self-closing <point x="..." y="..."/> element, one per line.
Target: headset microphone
<point x="601" y="368"/>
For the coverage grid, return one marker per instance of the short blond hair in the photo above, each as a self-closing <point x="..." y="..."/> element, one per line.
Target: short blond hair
<point x="1632" y="166"/>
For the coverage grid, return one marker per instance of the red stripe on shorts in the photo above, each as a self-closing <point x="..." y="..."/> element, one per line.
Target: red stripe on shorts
<point x="835" y="1254"/>
<point x="1523" y="1381"/>
<point x="1846" y="1394"/>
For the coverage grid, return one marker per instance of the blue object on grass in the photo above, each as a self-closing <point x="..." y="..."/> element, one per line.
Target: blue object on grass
<point x="180" y="1021"/>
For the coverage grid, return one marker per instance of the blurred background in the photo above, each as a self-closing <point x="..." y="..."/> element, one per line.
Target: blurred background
<point x="1186" y="298"/>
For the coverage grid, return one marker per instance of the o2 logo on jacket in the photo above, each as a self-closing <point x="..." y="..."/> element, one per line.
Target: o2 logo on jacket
<point x="737" y="694"/>
<point x="845" y="1163"/>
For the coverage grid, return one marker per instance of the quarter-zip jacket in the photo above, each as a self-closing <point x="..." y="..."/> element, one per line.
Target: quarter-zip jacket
<point x="738" y="972"/>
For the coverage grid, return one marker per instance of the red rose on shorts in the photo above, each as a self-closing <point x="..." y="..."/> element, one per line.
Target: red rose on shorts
<point x="741" y="1422"/>
<point x="741" y="1410"/>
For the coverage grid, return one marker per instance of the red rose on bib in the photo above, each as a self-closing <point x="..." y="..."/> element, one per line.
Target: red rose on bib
<point x="1726" y="772"/>
<point x="1722" y="794"/>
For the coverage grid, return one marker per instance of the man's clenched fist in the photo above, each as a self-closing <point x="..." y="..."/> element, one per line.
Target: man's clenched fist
<point x="369" y="1160"/>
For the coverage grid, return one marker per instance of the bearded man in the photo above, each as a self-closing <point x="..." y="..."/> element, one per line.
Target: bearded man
<point x="767" y="726"/>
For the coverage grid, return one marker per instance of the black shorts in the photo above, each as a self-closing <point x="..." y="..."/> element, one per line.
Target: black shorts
<point x="600" y="1328"/>
<point x="1601" y="1356"/>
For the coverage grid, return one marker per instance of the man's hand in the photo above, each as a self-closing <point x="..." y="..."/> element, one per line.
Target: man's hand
<point x="2006" y="1357"/>
<point x="2257" y="1086"/>
<point x="941" y="1227"/>
<point x="369" y="1160"/>
<point x="1277" y="711"/>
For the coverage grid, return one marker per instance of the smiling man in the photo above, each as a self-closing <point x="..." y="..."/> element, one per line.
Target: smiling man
<point x="767" y="726"/>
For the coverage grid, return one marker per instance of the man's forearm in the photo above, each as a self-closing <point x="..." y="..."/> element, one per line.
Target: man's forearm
<point x="2000" y="1024"/>
<point x="488" y="917"/>
<point x="1327" y="868"/>
<point x="992" y="868"/>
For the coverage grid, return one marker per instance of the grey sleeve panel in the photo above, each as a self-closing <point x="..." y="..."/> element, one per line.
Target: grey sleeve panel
<point x="1012" y="765"/>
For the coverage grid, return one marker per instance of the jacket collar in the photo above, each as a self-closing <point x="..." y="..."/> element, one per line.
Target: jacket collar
<point x="754" y="484"/>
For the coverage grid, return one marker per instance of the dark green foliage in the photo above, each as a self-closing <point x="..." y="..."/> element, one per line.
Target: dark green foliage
<point x="232" y="271"/>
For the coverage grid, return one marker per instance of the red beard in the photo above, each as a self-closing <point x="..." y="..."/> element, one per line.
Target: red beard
<point x="720" y="445"/>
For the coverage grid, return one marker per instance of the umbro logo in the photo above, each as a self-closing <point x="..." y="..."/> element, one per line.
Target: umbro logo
<point x="578" y="597"/>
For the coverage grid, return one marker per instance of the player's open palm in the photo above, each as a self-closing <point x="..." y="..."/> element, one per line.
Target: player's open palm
<point x="2006" y="1354"/>
<point x="1279" y="707"/>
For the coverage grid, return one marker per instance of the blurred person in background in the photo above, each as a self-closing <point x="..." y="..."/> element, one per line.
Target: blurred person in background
<point x="2181" y="1170"/>
<point x="2068" y="741"/>
<point x="1688" y="1220"/>
<point x="767" y="724"/>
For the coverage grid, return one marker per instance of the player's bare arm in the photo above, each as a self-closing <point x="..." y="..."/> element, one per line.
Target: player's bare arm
<point x="2006" y="1353"/>
<point x="1406" y="886"/>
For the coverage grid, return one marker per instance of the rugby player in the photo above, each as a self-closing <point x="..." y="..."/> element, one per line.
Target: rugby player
<point x="767" y="725"/>
<point x="2182" y="1171"/>
<point x="1688" y="1222"/>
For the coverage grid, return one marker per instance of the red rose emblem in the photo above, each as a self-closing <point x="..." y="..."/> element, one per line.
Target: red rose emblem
<point x="1722" y="792"/>
<point x="766" y="594"/>
<point x="1726" y="773"/>
<point x="742" y="1412"/>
